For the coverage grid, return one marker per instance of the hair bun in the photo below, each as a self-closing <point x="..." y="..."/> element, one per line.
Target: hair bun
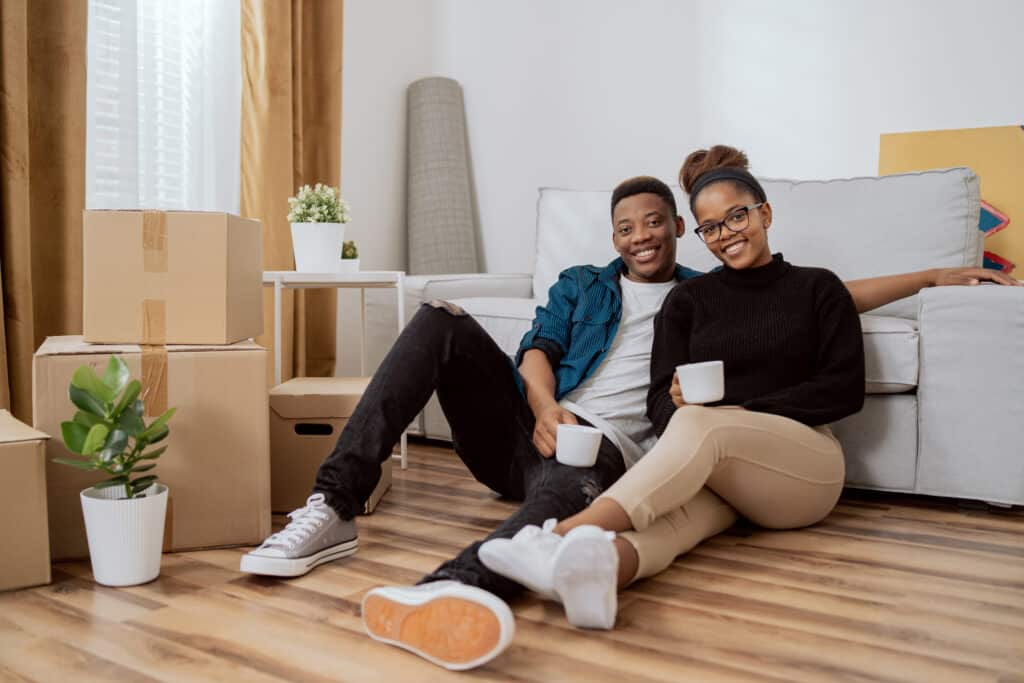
<point x="701" y="161"/>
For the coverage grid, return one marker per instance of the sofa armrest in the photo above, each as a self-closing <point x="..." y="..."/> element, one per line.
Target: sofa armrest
<point x="970" y="393"/>
<point x="382" y="313"/>
<point x="422" y="288"/>
<point x="382" y="305"/>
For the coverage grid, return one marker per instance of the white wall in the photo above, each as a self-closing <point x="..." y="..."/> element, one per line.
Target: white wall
<point x="583" y="93"/>
<point x="387" y="44"/>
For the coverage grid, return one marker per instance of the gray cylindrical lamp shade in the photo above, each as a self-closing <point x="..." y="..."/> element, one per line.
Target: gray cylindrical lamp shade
<point x="439" y="201"/>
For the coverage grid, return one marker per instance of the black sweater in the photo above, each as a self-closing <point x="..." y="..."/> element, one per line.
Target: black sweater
<point x="789" y="338"/>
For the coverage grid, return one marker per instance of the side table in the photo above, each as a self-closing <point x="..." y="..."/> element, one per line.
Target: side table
<point x="361" y="280"/>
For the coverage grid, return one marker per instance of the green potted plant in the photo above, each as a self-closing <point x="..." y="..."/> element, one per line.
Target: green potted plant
<point x="349" y="257"/>
<point x="124" y="515"/>
<point x="318" y="216"/>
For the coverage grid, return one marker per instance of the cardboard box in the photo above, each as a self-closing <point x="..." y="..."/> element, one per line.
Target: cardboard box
<point x="171" y="277"/>
<point x="306" y="416"/>
<point x="25" y="560"/>
<point x="217" y="464"/>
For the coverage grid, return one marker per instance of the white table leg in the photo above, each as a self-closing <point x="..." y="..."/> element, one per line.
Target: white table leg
<point x="362" y="341"/>
<point x="278" y="286"/>
<point x="400" y="293"/>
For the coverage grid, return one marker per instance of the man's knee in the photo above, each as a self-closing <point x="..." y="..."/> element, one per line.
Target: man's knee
<point x="448" y="307"/>
<point x="435" y="318"/>
<point x="577" y="487"/>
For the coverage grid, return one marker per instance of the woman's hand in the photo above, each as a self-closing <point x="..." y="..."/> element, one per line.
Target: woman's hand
<point x="676" y="392"/>
<point x="545" y="430"/>
<point x="970" y="276"/>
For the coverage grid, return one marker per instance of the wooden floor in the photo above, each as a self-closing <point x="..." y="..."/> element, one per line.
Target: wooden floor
<point x="888" y="588"/>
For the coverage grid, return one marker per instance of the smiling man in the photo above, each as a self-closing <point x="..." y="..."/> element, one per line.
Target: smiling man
<point x="586" y="359"/>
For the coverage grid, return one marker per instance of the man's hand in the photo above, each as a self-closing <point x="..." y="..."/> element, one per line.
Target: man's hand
<point x="971" y="276"/>
<point x="545" y="431"/>
<point x="676" y="392"/>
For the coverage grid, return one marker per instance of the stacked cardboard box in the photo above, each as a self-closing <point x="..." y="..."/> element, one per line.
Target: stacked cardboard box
<point x="25" y="560"/>
<point x="151" y="279"/>
<point x="217" y="464"/>
<point x="174" y="277"/>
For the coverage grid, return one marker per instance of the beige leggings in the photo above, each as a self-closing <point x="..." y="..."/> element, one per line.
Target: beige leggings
<point x="714" y="463"/>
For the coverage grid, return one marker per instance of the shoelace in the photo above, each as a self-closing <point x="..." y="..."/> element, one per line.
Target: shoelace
<point x="305" y="521"/>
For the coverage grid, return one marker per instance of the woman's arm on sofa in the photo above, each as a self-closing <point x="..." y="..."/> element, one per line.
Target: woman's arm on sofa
<point x="870" y="293"/>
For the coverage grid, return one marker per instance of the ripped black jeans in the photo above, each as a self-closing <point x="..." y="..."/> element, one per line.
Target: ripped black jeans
<point x="446" y="350"/>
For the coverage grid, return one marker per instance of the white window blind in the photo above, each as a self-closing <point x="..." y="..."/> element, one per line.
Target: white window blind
<point x="163" y="105"/>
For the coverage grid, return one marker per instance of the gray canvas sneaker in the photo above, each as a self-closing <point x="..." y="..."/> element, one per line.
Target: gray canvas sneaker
<point x="314" y="535"/>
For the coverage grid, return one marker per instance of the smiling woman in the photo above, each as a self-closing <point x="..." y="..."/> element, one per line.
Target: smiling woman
<point x="732" y="211"/>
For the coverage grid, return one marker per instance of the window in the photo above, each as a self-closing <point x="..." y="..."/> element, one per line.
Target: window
<point x="163" y="105"/>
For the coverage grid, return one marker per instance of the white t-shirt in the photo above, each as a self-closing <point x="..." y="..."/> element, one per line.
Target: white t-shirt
<point x="614" y="397"/>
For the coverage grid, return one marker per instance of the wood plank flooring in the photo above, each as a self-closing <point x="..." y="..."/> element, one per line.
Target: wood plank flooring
<point x="888" y="588"/>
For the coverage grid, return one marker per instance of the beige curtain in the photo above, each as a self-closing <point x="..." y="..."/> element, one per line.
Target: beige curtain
<point x="42" y="183"/>
<point x="291" y="135"/>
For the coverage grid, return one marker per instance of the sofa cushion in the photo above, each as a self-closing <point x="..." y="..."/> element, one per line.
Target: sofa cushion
<point x="890" y="354"/>
<point x="880" y="443"/>
<point x="890" y="344"/>
<point x="857" y="227"/>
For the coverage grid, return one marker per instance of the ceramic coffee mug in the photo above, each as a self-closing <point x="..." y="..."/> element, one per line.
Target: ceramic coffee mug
<point x="702" y="382"/>
<point x="577" y="445"/>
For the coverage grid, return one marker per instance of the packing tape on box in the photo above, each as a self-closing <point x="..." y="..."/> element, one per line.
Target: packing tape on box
<point x="154" y="321"/>
<point x="154" y="259"/>
<point x="154" y="241"/>
<point x="154" y="379"/>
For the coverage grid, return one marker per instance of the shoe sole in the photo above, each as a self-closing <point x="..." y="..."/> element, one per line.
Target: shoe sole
<point x="586" y="581"/>
<point x="297" y="566"/>
<point x="456" y="629"/>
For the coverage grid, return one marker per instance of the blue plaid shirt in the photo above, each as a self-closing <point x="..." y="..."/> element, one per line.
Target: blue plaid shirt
<point x="579" y="323"/>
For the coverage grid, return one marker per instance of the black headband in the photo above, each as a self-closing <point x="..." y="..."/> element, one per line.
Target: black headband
<point x="728" y="173"/>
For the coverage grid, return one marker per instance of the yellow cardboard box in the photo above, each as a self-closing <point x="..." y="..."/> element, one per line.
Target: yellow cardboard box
<point x="25" y="560"/>
<point x="306" y="416"/>
<point x="171" y="277"/>
<point x="217" y="464"/>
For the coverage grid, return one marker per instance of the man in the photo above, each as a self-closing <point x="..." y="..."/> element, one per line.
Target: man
<point x="585" y="360"/>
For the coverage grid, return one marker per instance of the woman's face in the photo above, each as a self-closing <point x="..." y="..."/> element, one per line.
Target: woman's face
<point x="735" y="233"/>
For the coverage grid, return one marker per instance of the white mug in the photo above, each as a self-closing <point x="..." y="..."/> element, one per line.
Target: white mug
<point x="702" y="382"/>
<point x="577" y="445"/>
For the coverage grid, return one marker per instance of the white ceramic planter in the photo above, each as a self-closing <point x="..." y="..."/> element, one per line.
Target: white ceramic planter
<point x="347" y="265"/>
<point x="317" y="246"/>
<point x="126" y="536"/>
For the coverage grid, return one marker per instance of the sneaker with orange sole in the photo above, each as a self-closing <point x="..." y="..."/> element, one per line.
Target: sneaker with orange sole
<point x="445" y="622"/>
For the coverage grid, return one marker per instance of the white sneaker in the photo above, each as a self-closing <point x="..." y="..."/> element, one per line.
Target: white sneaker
<point x="314" y="535"/>
<point x="579" y="570"/>
<point x="585" y="577"/>
<point x="527" y="558"/>
<point x="446" y="622"/>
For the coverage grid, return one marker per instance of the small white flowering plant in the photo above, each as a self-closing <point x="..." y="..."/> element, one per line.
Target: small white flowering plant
<point x="319" y="204"/>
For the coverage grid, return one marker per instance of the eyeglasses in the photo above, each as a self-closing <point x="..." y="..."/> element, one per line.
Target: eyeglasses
<point x="737" y="221"/>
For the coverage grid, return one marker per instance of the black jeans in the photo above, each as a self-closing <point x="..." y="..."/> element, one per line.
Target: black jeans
<point x="446" y="350"/>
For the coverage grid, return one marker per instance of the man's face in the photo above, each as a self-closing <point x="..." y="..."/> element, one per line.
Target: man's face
<point x="644" y="232"/>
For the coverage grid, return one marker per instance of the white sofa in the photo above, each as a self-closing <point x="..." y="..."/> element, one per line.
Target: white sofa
<point x="944" y="413"/>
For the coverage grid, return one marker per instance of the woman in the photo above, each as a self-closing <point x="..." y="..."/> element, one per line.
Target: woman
<point x="791" y="344"/>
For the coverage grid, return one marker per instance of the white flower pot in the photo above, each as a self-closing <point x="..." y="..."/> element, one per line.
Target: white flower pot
<point x="125" y="535"/>
<point x="317" y="246"/>
<point x="347" y="265"/>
